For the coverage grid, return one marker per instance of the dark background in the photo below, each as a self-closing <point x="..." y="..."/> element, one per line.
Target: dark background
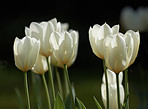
<point x="79" y="14"/>
<point x="15" y="15"/>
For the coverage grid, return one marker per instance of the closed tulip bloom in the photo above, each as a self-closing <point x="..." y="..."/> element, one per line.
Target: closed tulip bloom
<point x="113" y="101"/>
<point x="64" y="46"/>
<point x="42" y="32"/>
<point x="26" y="51"/>
<point x="40" y="66"/>
<point x="97" y="34"/>
<point x="116" y="56"/>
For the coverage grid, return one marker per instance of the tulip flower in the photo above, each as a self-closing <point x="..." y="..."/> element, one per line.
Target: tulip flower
<point x="65" y="46"/>
<point x="97" y="34"/>
<point x="42" y="32"/>
<point x="40" y="66"/>
<point x="115" y="53"/>
<point x="121" y="50"/>
<point x="26" y="51"/>
<point x="112" y="90"/>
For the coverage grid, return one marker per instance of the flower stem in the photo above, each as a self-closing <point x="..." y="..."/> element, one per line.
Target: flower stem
<point x="27" y="91"/>
<point x="126" y="86"/>
<point x="51" y="80"/>
<point x="66" y="89"/>
<point x="59" y="81"/>
<point x="118" y="90"/>
<point x="106" y="80"/>
<point x="47" y="92"/>
<point x="69" y="86"/>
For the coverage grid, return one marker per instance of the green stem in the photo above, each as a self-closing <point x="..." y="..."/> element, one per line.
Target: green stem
<point x="69" y="86"/>
<point x="27" y="91"/>
<point x="51" y="80"/>
<point x="47" y="92"/>
<point x="59" y="81"/>
<point x="66" y="89"/>
<point x="106" y="80"/>
<point x="118" y="91"/>
<point x="126" y="86"/>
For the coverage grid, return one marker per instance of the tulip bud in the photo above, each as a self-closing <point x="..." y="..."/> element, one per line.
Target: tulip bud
<point x="26" y="51"/>
<point x="40" y="66"/>
<point x="113" y="101"/>
<point x="97" y="34"/>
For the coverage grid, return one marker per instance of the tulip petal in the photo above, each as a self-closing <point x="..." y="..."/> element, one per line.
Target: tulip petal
<point x="136" y="42"/>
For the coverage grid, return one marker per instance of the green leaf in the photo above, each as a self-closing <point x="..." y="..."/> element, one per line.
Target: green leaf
<point x="37" y="90"/>
<point x="20" y="99"/>
<point x="68" y="102"/>
<point x="58" y="104"/>
<point x="97" y="103"/>
<point x="79" y="104"/>
<point x="126" y="102"/>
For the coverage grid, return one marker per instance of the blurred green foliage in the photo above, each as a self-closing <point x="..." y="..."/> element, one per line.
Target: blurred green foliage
<point x="87" y="83"/>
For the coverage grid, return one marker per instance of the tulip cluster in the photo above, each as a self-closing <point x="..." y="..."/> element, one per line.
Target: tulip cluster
<point x="47" y="43"/>
<point x="51" y="43"/>
<point x="135" y="19"/>
<point x="118" y="52"/>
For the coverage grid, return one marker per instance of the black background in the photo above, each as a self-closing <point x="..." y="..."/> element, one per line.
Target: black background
<point x="79" y="14"/>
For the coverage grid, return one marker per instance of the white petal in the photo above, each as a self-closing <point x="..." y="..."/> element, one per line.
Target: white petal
<point x="136" y="42"/>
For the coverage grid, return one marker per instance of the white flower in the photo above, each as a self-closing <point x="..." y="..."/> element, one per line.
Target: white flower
<point x="120" y="50"/>
<point x="116" y="58"/>
<point x="97" y="34"/>
<point x="65" y="46"/>
<point x="26" y="51"/>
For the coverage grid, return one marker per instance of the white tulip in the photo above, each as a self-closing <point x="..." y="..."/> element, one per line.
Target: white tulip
<point x="65" y="46"/>
<point x="26" y="51"/>
<point x="40" y="66"/>
<point x="120" y="50"/>
<point x="113" y="101"/>
<point x="97" y="34"/>
<point x="115" y="53"/>
<point x="42" y="32"/>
